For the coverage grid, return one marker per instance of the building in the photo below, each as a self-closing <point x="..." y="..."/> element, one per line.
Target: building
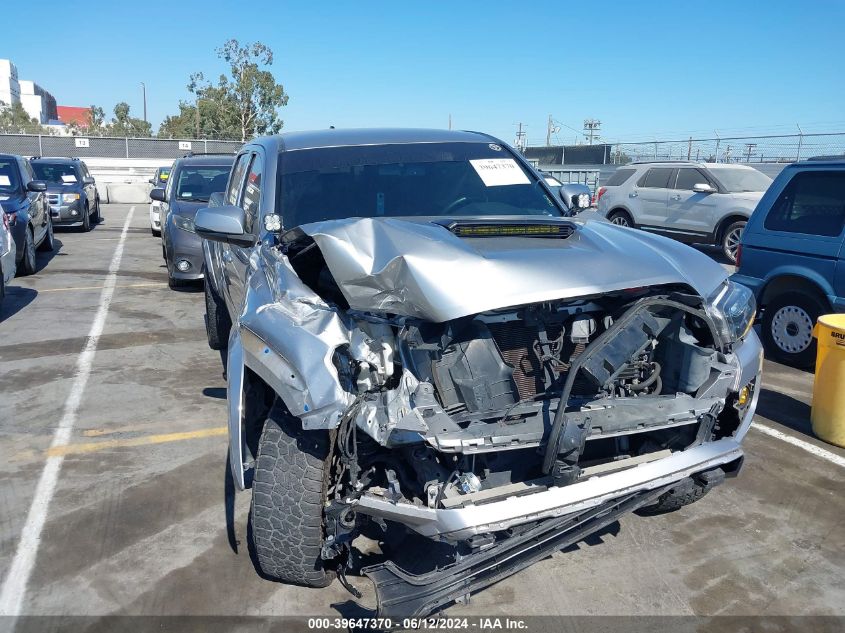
<point x="74" y="114"/>
<point x="37" y="102"/>
<point x="10" y="89"/>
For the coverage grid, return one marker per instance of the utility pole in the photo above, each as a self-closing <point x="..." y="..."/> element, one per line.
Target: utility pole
<point x="750" y="149"/>
<point x="689" y="148"/>
<point x="450" y="121"/>
<point x="592" y="127"/>
<point x="144" y="92"/>
<point x="520" y="139"/>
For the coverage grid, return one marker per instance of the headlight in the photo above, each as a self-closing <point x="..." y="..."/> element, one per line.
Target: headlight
<point x="733" y="308"/>
<point x="70" y="197"/>
<point x="186" y="224"/>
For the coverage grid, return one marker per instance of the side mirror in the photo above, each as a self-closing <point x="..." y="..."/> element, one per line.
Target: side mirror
<point x="88" y="180"/>
<point x="158" y="195"/>
<point x="575" y="196"/>
<point x="36" y="186"/>
<point x="702" y="187"/>
<point x="223" y="224"/>
<point x="152" y="181"/>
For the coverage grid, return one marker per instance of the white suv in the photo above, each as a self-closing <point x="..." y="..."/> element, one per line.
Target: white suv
<point x="692" y="202"/>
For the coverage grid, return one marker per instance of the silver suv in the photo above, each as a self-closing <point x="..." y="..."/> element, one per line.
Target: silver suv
<point x="701" y="203"/>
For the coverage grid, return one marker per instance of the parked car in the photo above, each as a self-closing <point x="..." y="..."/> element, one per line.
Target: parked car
<point x="792" y="257"/>
<point x="403" y="313"/>
<point x="575" y="196"/>
<point x="25" y="202"/>
<point x="7" y="253"/>
<point x="704" y="203"/>
<point x="158" y="180"/>
<point x="71" y="191"/>
<point x="191" y="182"/>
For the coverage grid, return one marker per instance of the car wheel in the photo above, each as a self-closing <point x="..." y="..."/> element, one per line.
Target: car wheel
<point x="48" y="244"/>
<point x="621" y="218"/>
<point x="686" y="492"/>
<point x="154" y="232"/>
<point x="217" y="321"/>
<point x="2" y="285"/>
<point x="27" y="266"/>
<point x="98" y="216"/>
<point x="86" y="220"/>
<point x="787" y="328"/>
<point x="288" y="496"/>
<point x="731" y="239"/>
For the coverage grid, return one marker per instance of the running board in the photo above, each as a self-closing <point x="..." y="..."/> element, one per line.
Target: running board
<point x="401" y="594"/>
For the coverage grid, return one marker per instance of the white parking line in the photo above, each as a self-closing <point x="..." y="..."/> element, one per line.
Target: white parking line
<point x="14" y="587"/>
<point x="818" y="451"/>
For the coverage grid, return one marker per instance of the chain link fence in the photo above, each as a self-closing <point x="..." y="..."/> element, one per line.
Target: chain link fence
<point x="109" y="147"/>
<point x="738" y="149"/>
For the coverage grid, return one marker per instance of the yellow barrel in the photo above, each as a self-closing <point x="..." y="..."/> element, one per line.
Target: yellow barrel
<point x="828" y="413"/>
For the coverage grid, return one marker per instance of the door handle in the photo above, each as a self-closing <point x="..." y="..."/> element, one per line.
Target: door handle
<point x="676" y="197"/>
<point x="227" y="257"/>
<point x="633" y="194"/>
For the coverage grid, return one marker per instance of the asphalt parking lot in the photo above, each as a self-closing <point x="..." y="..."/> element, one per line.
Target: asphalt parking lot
<point x="136" y="523"/>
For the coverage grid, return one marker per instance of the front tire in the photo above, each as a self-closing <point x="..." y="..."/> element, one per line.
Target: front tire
<point x="621" y="218"/>
<point x="98" y="214"/>
<point x="787" y="328"/>
<point x="731" y="238"/>
<point x="288" y="496"/>
<point x="27" y="266"/>
<point x="48" y="244"/>
<point x="217" y="320"/>
<point x="86" y="220"/>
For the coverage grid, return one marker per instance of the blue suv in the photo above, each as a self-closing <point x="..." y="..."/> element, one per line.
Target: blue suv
<point x="792" y="256"/>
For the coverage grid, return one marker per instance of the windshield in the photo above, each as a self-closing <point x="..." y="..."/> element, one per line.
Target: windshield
<point x="742" y="180"/>
<point x="55" y="173"/>
<point x="9" y="182"/>
<point x="196" y="184"/>
<point x="162" y="175"/>
<point x="417" y="179"/>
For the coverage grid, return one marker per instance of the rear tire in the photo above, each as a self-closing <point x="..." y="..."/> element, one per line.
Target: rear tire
<point x="27" y="265"/>
<point x="731" y="237"/>
<point x="217" y="320"/>
<point x="787" y="328"/>
<point x="288" y="496"/>
<point x="687" y="492"/>
<point x="621" y="218"/>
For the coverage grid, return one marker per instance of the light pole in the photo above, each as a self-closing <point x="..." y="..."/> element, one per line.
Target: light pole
<point x="144" y="92"/>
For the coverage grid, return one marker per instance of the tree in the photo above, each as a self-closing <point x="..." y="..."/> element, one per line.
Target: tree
<point x="15" y="120"/>
<point x="95" y="126"/>
<point x="124" y="125"/>
<point x="239" y="106"/>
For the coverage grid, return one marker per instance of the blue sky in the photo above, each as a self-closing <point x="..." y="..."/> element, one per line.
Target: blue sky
<point x="670" y="68"/>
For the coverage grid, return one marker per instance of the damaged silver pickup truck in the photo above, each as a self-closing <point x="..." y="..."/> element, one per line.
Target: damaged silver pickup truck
<point x="419" y="331"/>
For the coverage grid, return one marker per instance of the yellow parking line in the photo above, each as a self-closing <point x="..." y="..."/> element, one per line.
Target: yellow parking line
<point x="147" y="285"/>
<point x="163" y="438"/>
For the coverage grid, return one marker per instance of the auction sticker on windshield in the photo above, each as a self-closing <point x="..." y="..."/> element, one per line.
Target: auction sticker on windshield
<point x="495" y="172"/>
<point x="4" y="181"/>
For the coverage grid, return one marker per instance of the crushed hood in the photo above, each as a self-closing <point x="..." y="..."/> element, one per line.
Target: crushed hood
<point x="419" y="268"/>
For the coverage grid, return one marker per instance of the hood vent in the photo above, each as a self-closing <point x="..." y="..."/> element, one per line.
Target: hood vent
<point x="543" y="229"/>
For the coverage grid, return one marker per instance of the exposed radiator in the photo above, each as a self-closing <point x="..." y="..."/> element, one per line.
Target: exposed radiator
<point x="516" y="342"/>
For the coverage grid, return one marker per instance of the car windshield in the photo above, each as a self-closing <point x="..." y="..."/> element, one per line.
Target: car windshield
<point x="407" y="180"/>
<point x="9" y="182"/>
<point x="55" y="173"/>
<point x="163" y="175"/>
<point x="197" y="183"/>
<point x="742" y="180"/>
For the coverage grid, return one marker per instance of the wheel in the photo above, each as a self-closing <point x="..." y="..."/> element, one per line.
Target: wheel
<point x="288" y="495"/>
<point x="154" y="232"/>
<point x="620" y="218"/>
<point x="86" y="220"/>
<point x="48" y="244"/>
<point x="687" y="492"/>
<point x="731" y="238"/>
<point x="173" y="283"/>
<point x="787" y="327"/>
<point x="217" y="321"/>
<point x="27" y="266"/>
<point x="2" y="285"/>
<point x="98" y="214"/>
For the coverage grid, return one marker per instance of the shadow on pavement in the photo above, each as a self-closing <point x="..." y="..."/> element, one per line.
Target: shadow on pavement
<point x="786" y="410"/>
<point x="16" y="299"/>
